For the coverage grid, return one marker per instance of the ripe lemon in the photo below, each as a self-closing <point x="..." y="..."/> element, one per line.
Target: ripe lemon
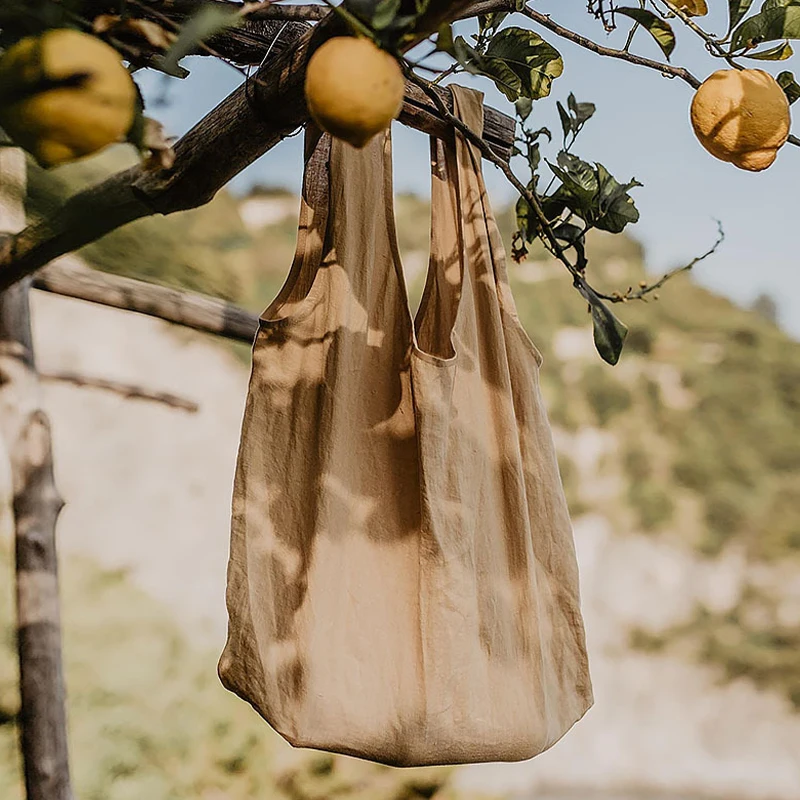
<point x="353" y="88"/>
<point x="64" y="95"/>
<point x="741" y="116"/>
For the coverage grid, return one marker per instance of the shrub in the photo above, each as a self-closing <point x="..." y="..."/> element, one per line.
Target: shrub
<point x="652" y="503"/>
<point x="606" y="395"/>
<point x="640" y="340"/>
<point x="725" y="517"/>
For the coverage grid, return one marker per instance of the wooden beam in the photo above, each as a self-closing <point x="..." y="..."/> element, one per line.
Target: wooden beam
<point x="36" y="505"/>
<point x="420" y="112"/>
<point x="248" y="123"/>
<point x="70" y="278"/>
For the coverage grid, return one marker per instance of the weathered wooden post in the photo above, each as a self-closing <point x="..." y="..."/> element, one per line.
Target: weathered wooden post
<point x="26" y="431"/>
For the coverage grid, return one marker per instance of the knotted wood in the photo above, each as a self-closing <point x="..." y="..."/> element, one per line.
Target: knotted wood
<point x="36" y="505"/>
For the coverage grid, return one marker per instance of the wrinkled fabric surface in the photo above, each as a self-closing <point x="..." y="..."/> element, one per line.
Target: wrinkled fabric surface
<point x="402" y="583"/>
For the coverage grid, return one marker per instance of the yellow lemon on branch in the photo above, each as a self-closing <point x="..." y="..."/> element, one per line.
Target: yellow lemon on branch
<point x="353" y="88"/>
<point x="64" y="95"/>
<point x="741" y="116"/>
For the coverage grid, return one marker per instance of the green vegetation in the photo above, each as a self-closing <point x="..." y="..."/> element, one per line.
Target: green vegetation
<point x="750" y="641"/>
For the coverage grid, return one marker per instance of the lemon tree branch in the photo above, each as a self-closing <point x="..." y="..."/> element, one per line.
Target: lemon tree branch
<point x="248" y="123"/>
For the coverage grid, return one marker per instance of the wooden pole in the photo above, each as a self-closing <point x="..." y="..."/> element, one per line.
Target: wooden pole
<point x="26" y="431"/>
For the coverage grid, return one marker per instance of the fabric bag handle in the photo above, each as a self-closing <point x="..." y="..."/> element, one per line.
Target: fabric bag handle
<point x="311" y="231"/>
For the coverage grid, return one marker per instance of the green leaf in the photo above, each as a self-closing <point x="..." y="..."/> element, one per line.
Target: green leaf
<point x="609" y="332"/>
<point x="206" y="22"/>
<point x="575" y="237"/>
<point x="594" y="195"/>
<point x="581" y="111"/>
<point x="578" y="184"/>
<point x="789" y="85"/>
<point x="737" y="10"/>
<point x="692" y="8"/>
<point x="574" y="119"/>
<point x="768" y="4"/>
<point x="566" y="120"/>
<point x="491" y="21"/>
<point x="444" y="39"/>
<point x="768" y="26"/>
<point x="779" y="53"/>
<point x="384" y="13"/>
<point x="655" y="26"/>
<point x="523" y="107"/>
<point x="528" y="222"/>
<point x="521" y="63"/>
<point x="615" y="207"/>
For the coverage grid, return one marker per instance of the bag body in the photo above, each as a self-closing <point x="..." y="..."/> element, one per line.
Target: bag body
<point x="402" y="582"/>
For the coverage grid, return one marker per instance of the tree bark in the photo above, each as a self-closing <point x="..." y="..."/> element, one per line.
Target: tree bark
<point x="206" y="314"/>
<point x="36" y="504"/>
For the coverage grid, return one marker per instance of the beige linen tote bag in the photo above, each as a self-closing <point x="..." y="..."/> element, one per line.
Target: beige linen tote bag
<point x="402" y="583"/>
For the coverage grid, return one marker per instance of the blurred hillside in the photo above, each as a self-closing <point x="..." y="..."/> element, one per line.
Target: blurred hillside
<point x="681" y="465"/>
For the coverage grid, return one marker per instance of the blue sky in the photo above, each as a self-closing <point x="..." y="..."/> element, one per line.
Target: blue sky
<point x="641" y="129"/>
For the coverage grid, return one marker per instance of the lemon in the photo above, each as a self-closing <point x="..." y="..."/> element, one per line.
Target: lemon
<point x="64" y="95"/>
<point x="353" y="88"/>
<point x="741" y="116"/>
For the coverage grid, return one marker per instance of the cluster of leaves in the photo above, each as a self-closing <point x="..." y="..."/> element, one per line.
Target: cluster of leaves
<point x="579" y="197"/>
<point x="775" y="21"/>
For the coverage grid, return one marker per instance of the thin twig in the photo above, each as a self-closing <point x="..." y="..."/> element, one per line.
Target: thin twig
<point x="643" y="291"/>
<point x="665" y="69"/>
<point x="127" y="390"/>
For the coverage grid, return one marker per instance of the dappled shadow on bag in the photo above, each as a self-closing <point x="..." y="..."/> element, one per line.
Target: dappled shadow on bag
<point x="402" y="583"/>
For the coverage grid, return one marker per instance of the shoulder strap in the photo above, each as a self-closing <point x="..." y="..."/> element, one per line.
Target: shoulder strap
<point x="312" y="226"/>
<point x="439" y="308"/>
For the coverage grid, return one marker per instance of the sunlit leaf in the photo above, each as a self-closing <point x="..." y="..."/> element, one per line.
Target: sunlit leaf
<point x="658" y="28"/>
<point x="491" y="21"/>
<point x="521" y="63"/>
<point x="768" y="4"/>
<point x="444" y="39"/>
<point x="779" y="53"/>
